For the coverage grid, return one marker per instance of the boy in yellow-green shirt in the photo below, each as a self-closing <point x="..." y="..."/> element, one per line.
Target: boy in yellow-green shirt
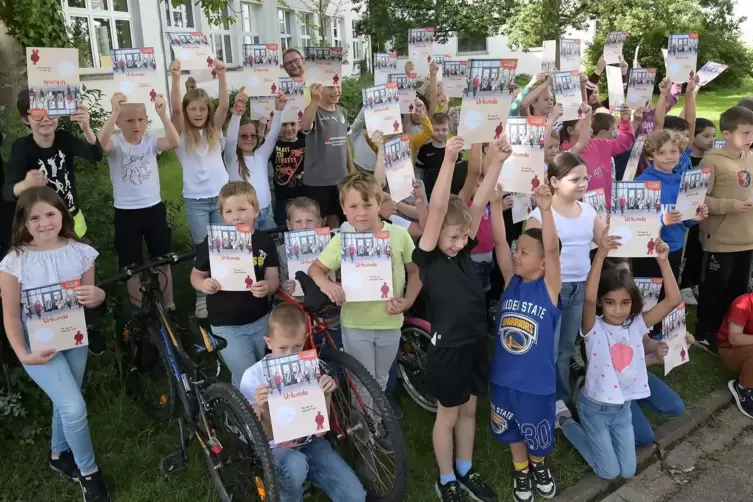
<point x="370" y="330"/>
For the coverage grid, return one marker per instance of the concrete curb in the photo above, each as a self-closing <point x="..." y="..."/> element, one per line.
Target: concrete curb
<point x="592" y="488"/>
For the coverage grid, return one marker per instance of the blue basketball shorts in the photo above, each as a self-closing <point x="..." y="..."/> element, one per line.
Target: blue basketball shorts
<point x="519" y="416"/>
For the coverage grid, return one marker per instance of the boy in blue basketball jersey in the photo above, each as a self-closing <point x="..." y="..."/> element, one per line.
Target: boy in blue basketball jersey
<point x="523" y="371"/>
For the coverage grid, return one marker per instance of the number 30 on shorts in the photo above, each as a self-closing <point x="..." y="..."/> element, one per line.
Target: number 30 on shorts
<point x="538" y="437"/>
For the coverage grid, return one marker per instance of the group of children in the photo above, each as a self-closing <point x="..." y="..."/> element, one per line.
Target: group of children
<point x="549" y="290"/>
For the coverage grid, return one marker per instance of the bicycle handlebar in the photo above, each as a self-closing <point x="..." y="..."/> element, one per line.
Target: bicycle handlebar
<point x="130" y="271"/>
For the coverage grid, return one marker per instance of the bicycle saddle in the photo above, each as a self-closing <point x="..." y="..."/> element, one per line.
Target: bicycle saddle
<point x="313" y="298"/>
<point x="203" y="340"/>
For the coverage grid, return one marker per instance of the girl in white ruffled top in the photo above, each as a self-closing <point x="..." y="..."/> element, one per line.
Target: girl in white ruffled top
<point x="247" y="158"/>
<point x="46" y="253"/>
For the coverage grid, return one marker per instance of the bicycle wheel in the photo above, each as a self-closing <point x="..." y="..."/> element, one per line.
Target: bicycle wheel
<point x="147" y="376"/>
<point x="364" y="419"/>
<point x="242" y="468"/>
<point x="414" y="346"/>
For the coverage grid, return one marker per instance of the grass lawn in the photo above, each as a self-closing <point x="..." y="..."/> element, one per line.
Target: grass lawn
<point x="129" y="446"/>
<point x="711" y="103"/>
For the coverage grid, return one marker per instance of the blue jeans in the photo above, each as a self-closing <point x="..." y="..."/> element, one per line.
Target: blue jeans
<point x="568" y="327"/>
<point x="245" y="346"/>
<point x="61" y="380"/>
<point x="265" y="220"/>
<point x="663" y="401"/>
<point x="604" y="437"/>
<point x="317" y="461"/>
<point x="201" y="213"/>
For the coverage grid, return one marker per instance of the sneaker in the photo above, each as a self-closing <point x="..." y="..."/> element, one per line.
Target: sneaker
<point x="705" y="346"/>
<point x="522" y="490"/>
<point x="543" y="479"/>
<point x="66" y="465"/>
<point x="450" y="492"/>
<point x="688" y="297"/>
<point x="97" y="345"/>
<point x="743" y="397"/>
<point x="475" y="487"/>
<point x="562" y="413"/>
<point x="94" y="488"/>
<point x="396" y="408"/>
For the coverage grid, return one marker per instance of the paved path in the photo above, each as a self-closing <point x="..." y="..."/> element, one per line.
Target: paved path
<point x="714" y="464"/>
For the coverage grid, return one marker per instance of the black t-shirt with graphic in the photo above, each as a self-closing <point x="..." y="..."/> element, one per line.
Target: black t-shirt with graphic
<point x="236" y="308"/>
<point x="56" y="162"/>
<point x="287" y="165"/>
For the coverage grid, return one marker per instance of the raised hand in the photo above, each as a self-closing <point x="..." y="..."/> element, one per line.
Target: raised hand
<point x="175" y="68"/>
<point x="662" y="251"/>
<point x="220" y="67"/>
<point x="281" y="101"/>
<point x="543" y="196"/>
<point x="454" y="147"/>
<point x="316" y="92"/>
<point x="160" y="105"/>
<point x="116" y="101"/>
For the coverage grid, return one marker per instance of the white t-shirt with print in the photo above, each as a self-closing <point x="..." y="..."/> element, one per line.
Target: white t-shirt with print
<point x="616" y="362"/>
<point x="204" y="171"/>
<point x="134" y="173"/>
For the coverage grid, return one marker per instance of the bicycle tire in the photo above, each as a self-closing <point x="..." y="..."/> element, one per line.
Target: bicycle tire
<point x="424" y="401"/>
<point x="391" y="424"/>
<point x="146" y="355"/>
<point x="253" y="432"/>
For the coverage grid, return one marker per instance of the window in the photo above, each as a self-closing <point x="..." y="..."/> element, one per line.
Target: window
<point x="357" y="50"/>
<point x="178" y="17"/>
<point x="250" y="23"/>
<point x="98" y="26"/>
<point x="471" y="44"/>
<point x="285" y="33"/>
<point x="336" y="32"/>
<point x="222" y="40"/>
<point x="354" y="28"/>
<point x="305" y="25"/>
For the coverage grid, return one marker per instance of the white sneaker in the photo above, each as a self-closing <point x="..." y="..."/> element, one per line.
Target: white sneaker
<point x="688" y="297"/>
<point x="562" y="413"/>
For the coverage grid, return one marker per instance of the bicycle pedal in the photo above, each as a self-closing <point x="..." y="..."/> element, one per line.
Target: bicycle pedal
<point x="173" y="463"/>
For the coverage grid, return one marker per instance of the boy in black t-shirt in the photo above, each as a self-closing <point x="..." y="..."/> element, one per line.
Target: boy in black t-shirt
<point x="45" y="157"/>
<point x="240" y="317"/>
<point x="431" y="155"/>
<point x="287" y="166"/>
<point x="458" y="359"/>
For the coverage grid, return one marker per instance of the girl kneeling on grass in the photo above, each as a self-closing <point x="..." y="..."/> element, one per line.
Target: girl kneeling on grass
<point x="616" y="372"/>
<point x="45" y="251"/>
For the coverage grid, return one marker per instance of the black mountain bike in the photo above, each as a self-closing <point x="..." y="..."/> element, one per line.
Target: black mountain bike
<point x="159" y="373"/>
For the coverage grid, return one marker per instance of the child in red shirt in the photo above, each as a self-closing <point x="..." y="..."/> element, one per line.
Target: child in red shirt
<point x="735" y="342"/>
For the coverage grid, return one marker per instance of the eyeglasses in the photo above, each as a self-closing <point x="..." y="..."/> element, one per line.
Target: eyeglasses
<point x="293" y="62"/>
<point x="248" y="136"/>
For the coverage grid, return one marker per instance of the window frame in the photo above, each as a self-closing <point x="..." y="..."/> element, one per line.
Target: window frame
<point x="110" y="15"/>
<point x="335" y="31"/>
<point x="252" y="36"/>
<point x="287" y="35"/>
<point x="226" y="41"/>
<point x="167" y="9"/>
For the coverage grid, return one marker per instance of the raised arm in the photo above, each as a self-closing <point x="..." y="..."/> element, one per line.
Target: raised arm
<point x="661" y="105"/>
<point x="691" y="91"/>
<point x="552" y="271"/>
<point x="105" y="134"/>
<point x="171" y="140"/>
<point x="584" y="128"/>
<point x="176" y="101"/>
<point x="499" y="233"/>
<point x="672" y="296"/>
<point x="475" y="167"/>
<point x="220" y="114"/>
<point x="309" y="114"/>
<point x="433" y="70"/>
<point x="531" y="96"/>
<point x="626" y="135"/>
<point x="498" y="153"/>
<point x="265" y="150"/>
<point x="440" y="197"/>
<point x="606" y="244"/>
<point x="379" y="172"/>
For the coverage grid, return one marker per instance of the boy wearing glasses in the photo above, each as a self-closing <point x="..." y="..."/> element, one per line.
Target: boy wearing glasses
<point x="45" y="157"/>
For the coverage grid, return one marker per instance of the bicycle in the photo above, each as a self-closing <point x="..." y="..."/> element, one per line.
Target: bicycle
<point x="415" y="339"/>
<point x="235" y="447"/>
<point x="363" y="427"/>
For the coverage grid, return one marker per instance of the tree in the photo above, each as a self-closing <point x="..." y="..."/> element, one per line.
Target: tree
<point x="321" y="9"/>
<point x="387" y="22"/>
<point x="650" y="22"/>
<point x="532" y="22"/>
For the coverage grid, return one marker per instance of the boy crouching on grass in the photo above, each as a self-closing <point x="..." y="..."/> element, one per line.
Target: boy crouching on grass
<point x="458" y="359"/>
<point x="310" y="457"/>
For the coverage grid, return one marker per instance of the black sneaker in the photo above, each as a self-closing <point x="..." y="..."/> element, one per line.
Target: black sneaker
<point x="97" y="345"/>
<point x="450" y="492"/>
<point x="94" y="488"/>
<point x="522" y="489"/>
<point x="475" y="487"/>
<point x="65" y="465"/>
<point x="743" y="397"/>
<point x="543" y="479"/>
